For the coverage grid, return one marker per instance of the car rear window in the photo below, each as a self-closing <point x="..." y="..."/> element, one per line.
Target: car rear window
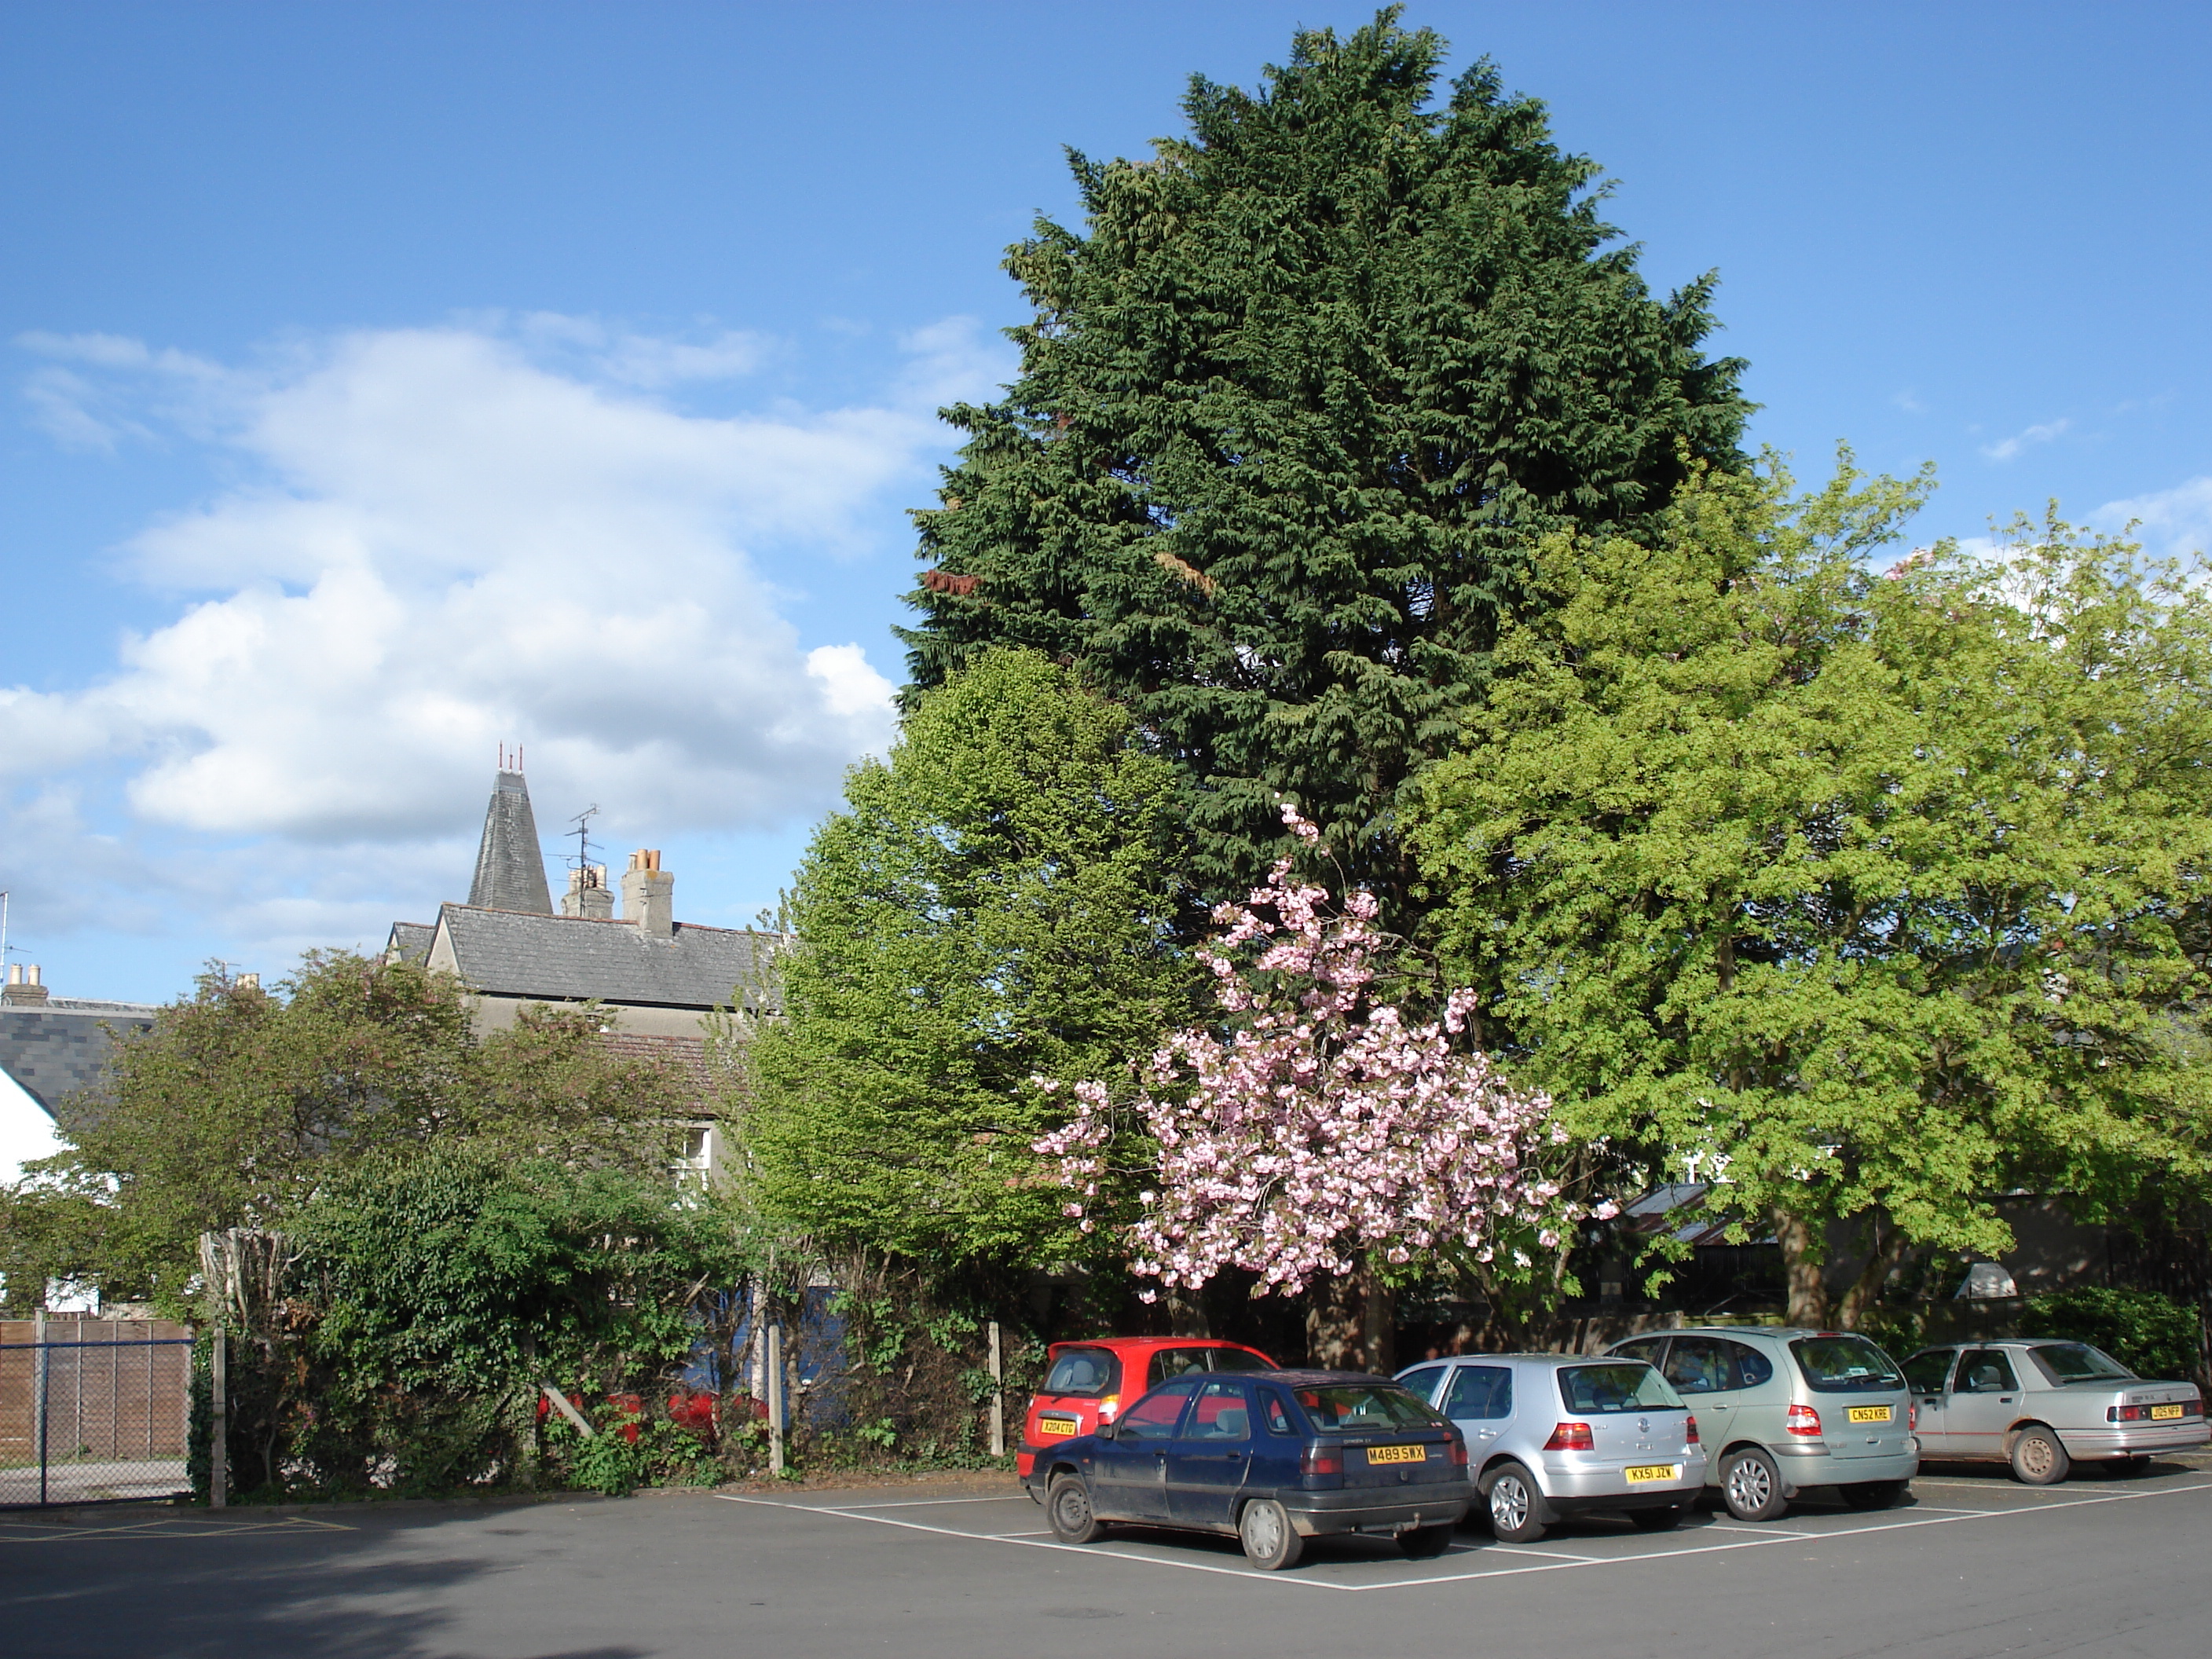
<point x="2077" y="1362"/>
<point x="1085" y="1373"/>
<point x="1182" y="1362"/>
<point x="1238" y="1359"/>
<point x="1353" y="1408"/>
<point x="1616" y="1385"/>
<point x="1844" y="1364"/>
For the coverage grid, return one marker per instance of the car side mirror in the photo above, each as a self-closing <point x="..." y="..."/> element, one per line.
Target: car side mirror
<point x="1108" y="1430"/>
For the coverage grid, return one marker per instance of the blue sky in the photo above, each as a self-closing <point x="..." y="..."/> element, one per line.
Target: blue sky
<point x="378" y="383"/>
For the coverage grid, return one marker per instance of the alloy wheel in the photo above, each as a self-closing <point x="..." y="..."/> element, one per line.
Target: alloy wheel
<point x="1509" y="1504"/>
<point x="1748" y="1488"/>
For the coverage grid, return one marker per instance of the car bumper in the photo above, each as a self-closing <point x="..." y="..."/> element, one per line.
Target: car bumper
<point x="1571" y="1486"/>
<point x="1317" y="1514"/>
<point x="1816" y="1466"/>
<point x="2133" y="1439"/>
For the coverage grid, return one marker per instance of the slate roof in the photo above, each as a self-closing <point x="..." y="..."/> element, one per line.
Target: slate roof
<point x="514" y="953"/>
<point x="510" y="867"/>
<point x="411" y="941"/>
<point x="55" y="1050"/>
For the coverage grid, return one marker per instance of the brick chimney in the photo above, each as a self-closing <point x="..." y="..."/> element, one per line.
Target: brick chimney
<point x="649" y="894"/>
<point x="23" y="990"/>
<point x="588" y="895"/>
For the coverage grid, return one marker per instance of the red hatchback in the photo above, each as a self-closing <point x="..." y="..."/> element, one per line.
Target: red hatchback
<point x="1086" y="1384"/>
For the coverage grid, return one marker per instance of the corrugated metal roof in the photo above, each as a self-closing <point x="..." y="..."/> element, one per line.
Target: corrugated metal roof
<point x="514" y="953"/>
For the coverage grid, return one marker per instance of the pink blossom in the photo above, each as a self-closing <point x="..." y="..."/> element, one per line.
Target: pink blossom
<point x="1326" y="1124"/>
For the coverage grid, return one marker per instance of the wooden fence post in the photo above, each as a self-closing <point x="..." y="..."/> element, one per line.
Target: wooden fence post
<point x="776" y="1399"/>
<point x="218" y="1421"/>
<point x="998" y="1396"/>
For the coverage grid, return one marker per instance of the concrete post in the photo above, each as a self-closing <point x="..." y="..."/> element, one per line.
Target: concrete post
<point x="776" y="1399"/>
<point x="218" y="1421"/>
<point x="39" y="1394"/>
<point x="998" y="1396"/>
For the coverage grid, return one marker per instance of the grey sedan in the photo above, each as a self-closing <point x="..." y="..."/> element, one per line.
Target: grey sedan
<point x="2040" y="1405"/>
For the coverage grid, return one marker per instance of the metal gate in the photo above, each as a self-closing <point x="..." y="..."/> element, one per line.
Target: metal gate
<point x="93" y="1410"/>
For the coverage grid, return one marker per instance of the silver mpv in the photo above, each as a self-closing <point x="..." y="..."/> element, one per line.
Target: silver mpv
<point x="1785" y="1409"/>
<point x="1552" y="1435"/>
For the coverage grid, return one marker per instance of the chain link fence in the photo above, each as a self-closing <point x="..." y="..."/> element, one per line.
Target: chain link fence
<point x="93" y="1410"/>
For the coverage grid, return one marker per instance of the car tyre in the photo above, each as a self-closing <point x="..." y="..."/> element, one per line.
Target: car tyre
<point x="1752" y="1487"/>
<point x="1664" y="1520"/>
<point x="1516" y="1503"/>
<point x="1425" y="1543"/>
<point x="1271" y="1542"/>
<point x="2037" y="1459"/>
<point x="1874" y="1494"/>
<point x="1067" y="1507"/>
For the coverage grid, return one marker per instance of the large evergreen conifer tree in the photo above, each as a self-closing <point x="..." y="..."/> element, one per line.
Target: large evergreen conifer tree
<point x="1291" y="410"/>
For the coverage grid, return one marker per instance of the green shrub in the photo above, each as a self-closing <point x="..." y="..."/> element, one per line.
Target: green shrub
<point x="2152" y="1335"/>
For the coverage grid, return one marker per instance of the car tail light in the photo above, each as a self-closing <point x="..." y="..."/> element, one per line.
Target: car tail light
<point x="1690" y="1440"/>
<point x="1804" y="1420"/>
<point x="1458" y="1452"/>
<point x="1107" y="1407"/>
<point x="1571" y="1436"/>
<point x="2126" y="1413"/>
<point x="1912" y="1419"/>
<point x="1320" y="1459"/>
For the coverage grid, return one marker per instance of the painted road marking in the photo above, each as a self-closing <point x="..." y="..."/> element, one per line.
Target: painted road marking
<point x="1553" y="1561"/>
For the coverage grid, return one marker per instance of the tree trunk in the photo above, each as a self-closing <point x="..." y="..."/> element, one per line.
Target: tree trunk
<point x="1800" y="1270"/>
<point x="1334" y="1315"/>
<point x="1186" y="1313"/>
<point x="1378" y="1323"/>
<point x="1890" y="1247"/>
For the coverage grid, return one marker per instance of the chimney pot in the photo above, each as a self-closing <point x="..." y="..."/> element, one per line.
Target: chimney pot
<point x="649" y="894"/>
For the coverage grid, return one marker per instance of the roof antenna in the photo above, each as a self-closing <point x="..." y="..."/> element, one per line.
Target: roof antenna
<point x="582" y="833"/>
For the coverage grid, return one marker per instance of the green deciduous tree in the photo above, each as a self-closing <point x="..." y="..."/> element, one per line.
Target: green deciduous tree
<point x="1293" y="405"/>
<point x="1878" y="894"/>
<point x="994" y="903"/>
<point x="241" y="1103"/>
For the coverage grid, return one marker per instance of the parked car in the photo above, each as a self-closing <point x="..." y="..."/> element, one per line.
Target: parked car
<point x="1554" y="1435"/>
<point x="2041" y="1405"/>
<point x="1273" y="1458"/>
<point x="1784" y="1409"/>
<point x="1085" y="1383"/>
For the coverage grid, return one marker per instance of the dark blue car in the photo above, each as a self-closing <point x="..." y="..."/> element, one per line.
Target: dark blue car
<point x="1272" y="1457"/>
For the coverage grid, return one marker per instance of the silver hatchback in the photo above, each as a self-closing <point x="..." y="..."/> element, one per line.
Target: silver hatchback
<point x="1785" y="1409"/>
<point x="1553" y="1435"/>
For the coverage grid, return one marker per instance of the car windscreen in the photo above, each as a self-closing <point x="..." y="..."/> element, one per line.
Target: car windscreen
<point x="1359" y="1407"/>
<point x="1617" y="1385"/>
<point x="1084" y="1373"/>
<point x="1844" y="1364"/>
<point x="2077" y="1362"/>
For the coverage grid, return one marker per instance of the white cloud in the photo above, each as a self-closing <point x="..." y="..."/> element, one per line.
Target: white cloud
<point x="2176" y="522"/>
<point x="447" y="543"/>
<point x="2005" y="448"/>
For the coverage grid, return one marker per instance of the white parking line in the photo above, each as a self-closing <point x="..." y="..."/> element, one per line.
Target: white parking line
<point x="1557" y="1561"/>
<point x="909" y="1503"/>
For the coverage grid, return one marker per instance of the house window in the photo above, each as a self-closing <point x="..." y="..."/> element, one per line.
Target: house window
<point x="697" y="1159"/>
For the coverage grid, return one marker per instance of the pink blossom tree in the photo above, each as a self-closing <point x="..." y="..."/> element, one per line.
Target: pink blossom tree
<point x="1322" y="1140"/>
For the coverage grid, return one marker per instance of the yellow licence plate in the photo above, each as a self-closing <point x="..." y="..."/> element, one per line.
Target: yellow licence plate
<point x="2164" y="1413"/>
<point x="1869" y="1413"/>
<point x="1058" y="1425"/>
<point x="1643" y="1474"/>
<point x="1397" y="1454"/>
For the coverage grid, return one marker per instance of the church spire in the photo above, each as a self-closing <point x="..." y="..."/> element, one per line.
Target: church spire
<point x="510" y="867"/>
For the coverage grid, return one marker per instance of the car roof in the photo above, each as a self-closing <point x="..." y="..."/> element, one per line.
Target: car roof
<point x="1128" y="1344"/>
<point x="1740" y="1331"/>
